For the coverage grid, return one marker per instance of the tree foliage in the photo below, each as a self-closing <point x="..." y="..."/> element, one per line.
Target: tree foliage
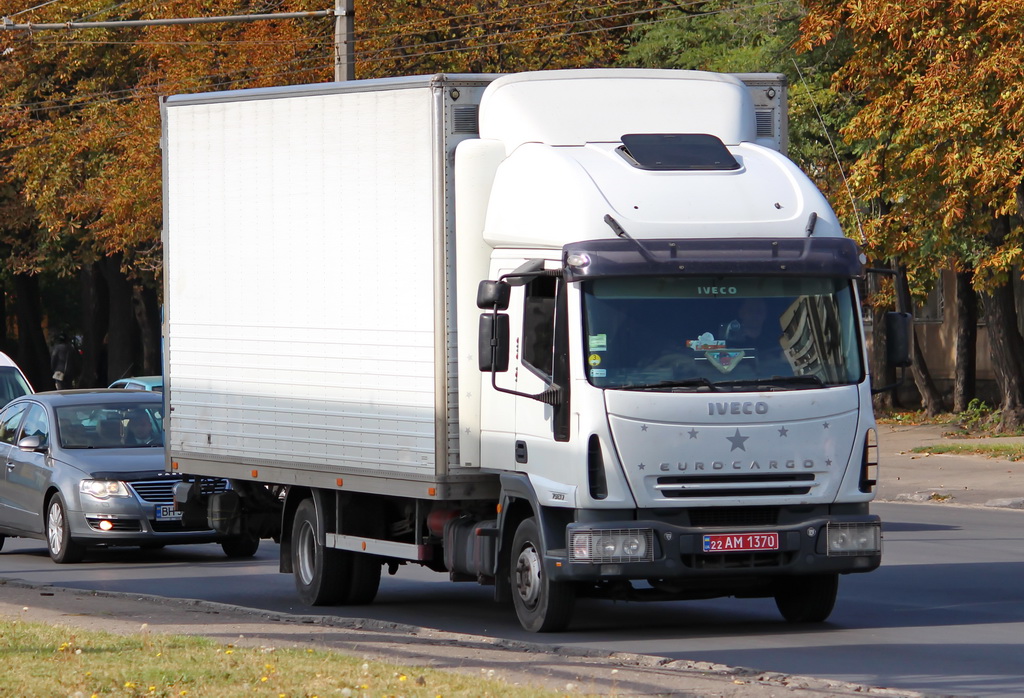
<point x="80" y="165"/>
<point x="408" y="37"/>
<point x="941" y="131"/>
<point x="940" y="144"/>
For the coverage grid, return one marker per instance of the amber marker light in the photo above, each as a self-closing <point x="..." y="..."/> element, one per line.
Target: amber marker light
<point x="255" y="473"/>
<point x="432" y="491"/>
<point x="340" y="482"/>
<point x="174" y="465"/>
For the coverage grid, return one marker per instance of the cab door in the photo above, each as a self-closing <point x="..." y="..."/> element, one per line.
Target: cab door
<point x="542" y="421"/>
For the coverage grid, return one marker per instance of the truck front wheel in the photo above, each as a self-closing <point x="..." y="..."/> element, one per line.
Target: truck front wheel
<point x="807" y="599"/>
<point x="321" y="573"/>
<point x="542" y="605"/>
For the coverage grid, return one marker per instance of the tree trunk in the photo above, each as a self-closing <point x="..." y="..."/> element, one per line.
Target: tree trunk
<point x="931" y="398"/>
<point x="966" y="364"/>
<point x="3" y="320"/>
<point x="1007" y="352"/>
<point x="147" y="315"/>
<point x="94" y="328"/>
<point x="33" y="354"/>
<point x="881" y="373"/>
<point x="1005" y="340"/>
<point x="122" y="329"/>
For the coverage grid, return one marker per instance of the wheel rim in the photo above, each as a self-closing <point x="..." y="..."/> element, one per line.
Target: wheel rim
<point x="528" y="576"/>
<point x="305" y="553"/>
<point x="55" y="527"/>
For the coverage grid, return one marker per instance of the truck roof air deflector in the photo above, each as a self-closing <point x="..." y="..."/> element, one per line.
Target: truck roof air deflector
<point x="677" y="151"/>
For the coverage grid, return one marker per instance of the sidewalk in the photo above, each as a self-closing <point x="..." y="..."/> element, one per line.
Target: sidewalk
<point x="975" y="480"/>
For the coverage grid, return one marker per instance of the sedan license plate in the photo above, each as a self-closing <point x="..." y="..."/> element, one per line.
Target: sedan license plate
<point x="740" y="542"/>
<point x="167" y="512"/>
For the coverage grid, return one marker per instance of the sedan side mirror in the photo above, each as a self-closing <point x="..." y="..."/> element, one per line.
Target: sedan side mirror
<point x="31" y="444"/>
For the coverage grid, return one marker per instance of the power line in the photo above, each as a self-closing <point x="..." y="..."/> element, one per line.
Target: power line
<point x="379" y="59"/>
<point x="117" y="24"/>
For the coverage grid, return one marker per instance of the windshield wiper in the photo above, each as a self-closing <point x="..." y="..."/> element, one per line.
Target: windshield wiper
<point x="808" y="380"/>
<point x="688" y="383"/>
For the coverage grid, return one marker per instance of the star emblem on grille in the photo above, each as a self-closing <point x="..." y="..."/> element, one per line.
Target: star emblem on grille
<point x="737" y="441"/>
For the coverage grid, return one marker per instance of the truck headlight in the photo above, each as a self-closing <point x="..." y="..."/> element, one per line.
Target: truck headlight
<point x="853" y="539"/>
<point x="618" y="545"/>
<point x="103" y="489"/>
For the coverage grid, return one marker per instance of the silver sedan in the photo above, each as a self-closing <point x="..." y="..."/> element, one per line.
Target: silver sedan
<point x="86" y="468"/>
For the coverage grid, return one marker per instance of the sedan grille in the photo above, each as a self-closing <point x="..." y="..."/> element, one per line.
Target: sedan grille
<point x="162" y="491"/>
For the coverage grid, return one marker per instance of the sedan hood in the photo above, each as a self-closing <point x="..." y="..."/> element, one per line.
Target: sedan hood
<point x="118" y="463"/>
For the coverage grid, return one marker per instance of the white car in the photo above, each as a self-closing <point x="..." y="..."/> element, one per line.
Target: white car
<point x="13" y="382"/>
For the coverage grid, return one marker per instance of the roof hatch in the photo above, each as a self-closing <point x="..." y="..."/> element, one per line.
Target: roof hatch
<point x="677" y="151"/>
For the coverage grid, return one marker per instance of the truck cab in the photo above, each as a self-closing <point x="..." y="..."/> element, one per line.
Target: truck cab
<point x="672" y="318"/>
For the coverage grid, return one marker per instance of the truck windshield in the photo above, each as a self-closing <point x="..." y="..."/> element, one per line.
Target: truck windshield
<point x="725" y="333"/>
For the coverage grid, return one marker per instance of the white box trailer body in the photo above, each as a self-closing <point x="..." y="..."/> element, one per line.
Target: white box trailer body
<point x="308" y="284"/>
<point x="409" y="319"/>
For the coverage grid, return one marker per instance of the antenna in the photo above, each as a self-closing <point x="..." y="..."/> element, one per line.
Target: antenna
<point x="835" y="154"/>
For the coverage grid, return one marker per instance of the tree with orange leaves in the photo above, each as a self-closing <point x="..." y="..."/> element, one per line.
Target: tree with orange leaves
<point x="941" y="144"/>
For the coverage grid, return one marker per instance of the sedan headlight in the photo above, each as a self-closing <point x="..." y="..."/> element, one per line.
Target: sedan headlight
<point x="103" y="489"/>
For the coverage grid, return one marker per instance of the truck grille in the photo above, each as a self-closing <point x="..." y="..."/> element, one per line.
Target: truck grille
<point x="747" y="485"/>
<point x="734" y="516"/>
<point x="738" y="561"/>
<point x="162" y="491"/>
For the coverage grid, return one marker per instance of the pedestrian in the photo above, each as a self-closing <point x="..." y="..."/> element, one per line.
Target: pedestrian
<point x="61" y="361"/>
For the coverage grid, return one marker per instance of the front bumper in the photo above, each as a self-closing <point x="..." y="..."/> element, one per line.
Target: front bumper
<point x="677" y="552"/>
<point x="146" y="517"/>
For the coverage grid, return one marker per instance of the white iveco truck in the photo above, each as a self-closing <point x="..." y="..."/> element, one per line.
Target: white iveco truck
<point x="568" y="333"/>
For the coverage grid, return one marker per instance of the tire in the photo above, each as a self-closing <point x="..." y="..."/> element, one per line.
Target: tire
<point x="63" y="550"/>
<point x="2" y="539"/>
<point x="543" y="606"/>
<point x="242" y="545"/>
<point x="807" y="599"/>
<point x="364" y="581"/>
<point x="322" y="574"/>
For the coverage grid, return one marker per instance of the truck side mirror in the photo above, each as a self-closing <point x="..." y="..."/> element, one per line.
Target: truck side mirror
<point x="493" y="295"/>
<point x="898" y="330"/>
<point x="492" y="342"/>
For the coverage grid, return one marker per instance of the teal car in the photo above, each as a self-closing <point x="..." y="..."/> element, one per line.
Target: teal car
<point x="154" y="383"/>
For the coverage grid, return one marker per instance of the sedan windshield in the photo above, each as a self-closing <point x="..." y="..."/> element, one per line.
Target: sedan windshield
<point x="110" y="426"/>
<point x="726" y="333"/>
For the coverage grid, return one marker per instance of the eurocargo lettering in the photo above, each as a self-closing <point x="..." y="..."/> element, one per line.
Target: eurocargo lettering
<point x="568" y="333"/>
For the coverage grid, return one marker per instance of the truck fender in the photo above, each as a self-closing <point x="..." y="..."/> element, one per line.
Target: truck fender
<point x="293" y="498"/>
<point x="518" y="502"/>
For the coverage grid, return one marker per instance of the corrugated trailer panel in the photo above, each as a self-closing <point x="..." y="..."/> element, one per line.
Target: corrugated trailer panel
<point x="285" y="342"/>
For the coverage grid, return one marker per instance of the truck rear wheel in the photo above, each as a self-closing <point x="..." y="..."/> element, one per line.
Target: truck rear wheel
<point x="321" y="573"/>
<point x="807" y="599"/>
<point x="542" y="605"/>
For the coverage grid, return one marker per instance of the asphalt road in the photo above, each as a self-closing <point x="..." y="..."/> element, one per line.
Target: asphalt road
<point x="944" y="614"/>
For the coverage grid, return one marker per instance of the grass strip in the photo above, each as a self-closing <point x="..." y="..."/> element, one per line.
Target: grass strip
<point x="1008" y="451"/>
<point x="43" y="660"/>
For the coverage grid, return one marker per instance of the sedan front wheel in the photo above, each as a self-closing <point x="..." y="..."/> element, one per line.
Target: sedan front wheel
<point x="62" y="549"/>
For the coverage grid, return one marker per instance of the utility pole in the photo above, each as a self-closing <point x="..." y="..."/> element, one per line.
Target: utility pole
<point x="344" y="28"/>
